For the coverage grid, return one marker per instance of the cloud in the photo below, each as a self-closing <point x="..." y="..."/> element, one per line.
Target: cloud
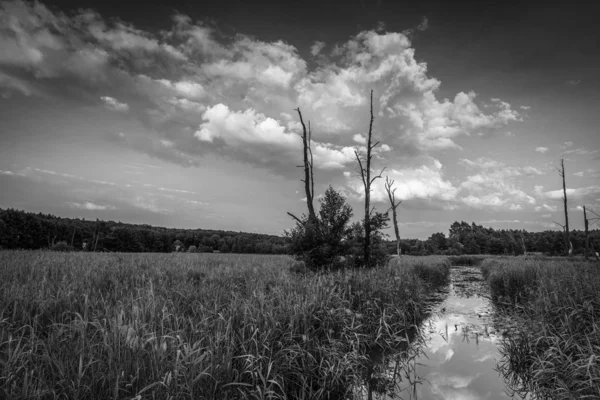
<point x="189" y="85"/>
<point x="425" y="182"/>
<point x="515" y="207"/>
<point x="424" y="24"/>
<point x="360" y="139"/>
<point x="262" y="139"/>
<point x="317" y="47"/>
<point x="573" y="82"/>
<point x="487" y="163"/>
<point x="114" y="104"/>
<point x="481" y="162"/>
<point x="525" y="108"/>
<point x="541" y="149"/>
<point x="10" y="85"/>
<point x="493" y="185"/>
<point x="90" y="206"/>
<point x="566" y="145"/>
<point x="546" y="207"/>
<point x="185" y="88"/>
<point x="580" y="152"/>
<point x="580" y="193"/>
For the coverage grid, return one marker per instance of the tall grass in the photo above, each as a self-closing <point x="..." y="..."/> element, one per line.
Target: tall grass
<point x="556" y="354"/>
<point x="468" y="260"/>
<point x="187" y="326"/>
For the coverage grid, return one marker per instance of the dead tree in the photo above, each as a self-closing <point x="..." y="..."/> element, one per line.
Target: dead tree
<point x="364" y="165"/>
<point x="561" y="172"/>
<point x="523" y="244"/>
<point x="309" y="181"/>
<point x="568" y="244"/>
<point x="586" y="221"/>
<point x="393" y="206"/>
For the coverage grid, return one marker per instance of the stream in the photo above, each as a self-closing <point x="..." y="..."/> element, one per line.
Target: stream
<point x="458" y="355"/>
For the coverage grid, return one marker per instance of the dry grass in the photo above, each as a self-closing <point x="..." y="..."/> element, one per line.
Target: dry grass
<point x="188" y="326"/>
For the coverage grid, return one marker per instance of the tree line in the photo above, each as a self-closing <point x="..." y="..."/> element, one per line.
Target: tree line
<point x="465" y="238"/>
<point x="27" y="230"/>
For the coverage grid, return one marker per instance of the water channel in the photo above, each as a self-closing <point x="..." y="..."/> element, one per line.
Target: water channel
<point x="460" y="341"/>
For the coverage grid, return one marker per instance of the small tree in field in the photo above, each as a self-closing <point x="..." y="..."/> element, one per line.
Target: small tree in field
<point x="322" y="244"/>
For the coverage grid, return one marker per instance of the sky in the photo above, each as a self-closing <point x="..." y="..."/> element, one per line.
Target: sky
<point x="183" y="114"/>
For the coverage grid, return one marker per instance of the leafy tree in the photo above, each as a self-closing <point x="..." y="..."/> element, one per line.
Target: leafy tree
<point x="438" y="241"/>
<point x="322" y="244"/>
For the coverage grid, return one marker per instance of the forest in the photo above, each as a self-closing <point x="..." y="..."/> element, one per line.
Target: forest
<point x="26" y="230"/>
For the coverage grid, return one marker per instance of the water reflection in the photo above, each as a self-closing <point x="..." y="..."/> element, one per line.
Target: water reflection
<point x="460" y="351"/>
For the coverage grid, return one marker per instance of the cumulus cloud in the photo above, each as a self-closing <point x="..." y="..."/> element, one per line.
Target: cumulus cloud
<point x="114" y="104"/>
<point x="262" y="139"/>
<point x="191" y="85"/>
<point x="360" y="139"/>
<point x="425" y="182"/>
<point x="541" y="149"/>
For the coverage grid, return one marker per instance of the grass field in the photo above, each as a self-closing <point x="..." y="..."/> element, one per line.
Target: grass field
<point x="556" y="353"/>
<point x="189" y="326"/>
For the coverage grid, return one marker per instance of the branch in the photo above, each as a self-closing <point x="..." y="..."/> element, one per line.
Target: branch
<point x="378" y="176"/>
<point x="296" y="218"/>
<point x="593" y="212"/>
<point x="362" y="170"/>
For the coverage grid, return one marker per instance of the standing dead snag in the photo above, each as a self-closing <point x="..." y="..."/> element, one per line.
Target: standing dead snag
<point x="309" y="181"/>
<point x="586" y="222"/>
<point x="561" y="172"/>
<point x="364" y="166"/>
<point x="393" y="205"/>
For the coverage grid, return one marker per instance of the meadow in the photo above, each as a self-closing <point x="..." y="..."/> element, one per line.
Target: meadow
<point x="210" y="326"/>
<point x="557" y="303"/>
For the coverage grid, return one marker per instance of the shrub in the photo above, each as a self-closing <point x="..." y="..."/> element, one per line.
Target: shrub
<point x="321" y="243"/>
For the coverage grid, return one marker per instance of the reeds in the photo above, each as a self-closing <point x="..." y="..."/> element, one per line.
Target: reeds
<point x="187" y="326"/>
<point x="555" y="355"/>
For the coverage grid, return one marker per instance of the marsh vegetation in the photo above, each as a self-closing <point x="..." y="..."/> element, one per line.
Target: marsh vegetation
<point x="122" y="326"/>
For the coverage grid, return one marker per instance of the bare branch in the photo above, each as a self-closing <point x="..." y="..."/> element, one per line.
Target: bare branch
<point x="362" y="170"/>
<point x="296" y="218"/>
<point x="378" y="176"/>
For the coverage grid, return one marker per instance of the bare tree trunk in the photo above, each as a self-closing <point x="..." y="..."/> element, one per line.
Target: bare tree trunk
<point x="97" y="237"/>
<point x="365" y="174"/>
<point x="393" y="206"/>
<point x="568" y="244"/>
<point x="523" y="242"/>
<point x="309" y="181"/>
<point x="73" y="237"/>
<point x="587" y="234"/>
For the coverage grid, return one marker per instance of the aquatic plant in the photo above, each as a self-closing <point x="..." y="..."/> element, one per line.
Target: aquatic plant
<point x="554" y="355"/>
<point x="188" y="325"/>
